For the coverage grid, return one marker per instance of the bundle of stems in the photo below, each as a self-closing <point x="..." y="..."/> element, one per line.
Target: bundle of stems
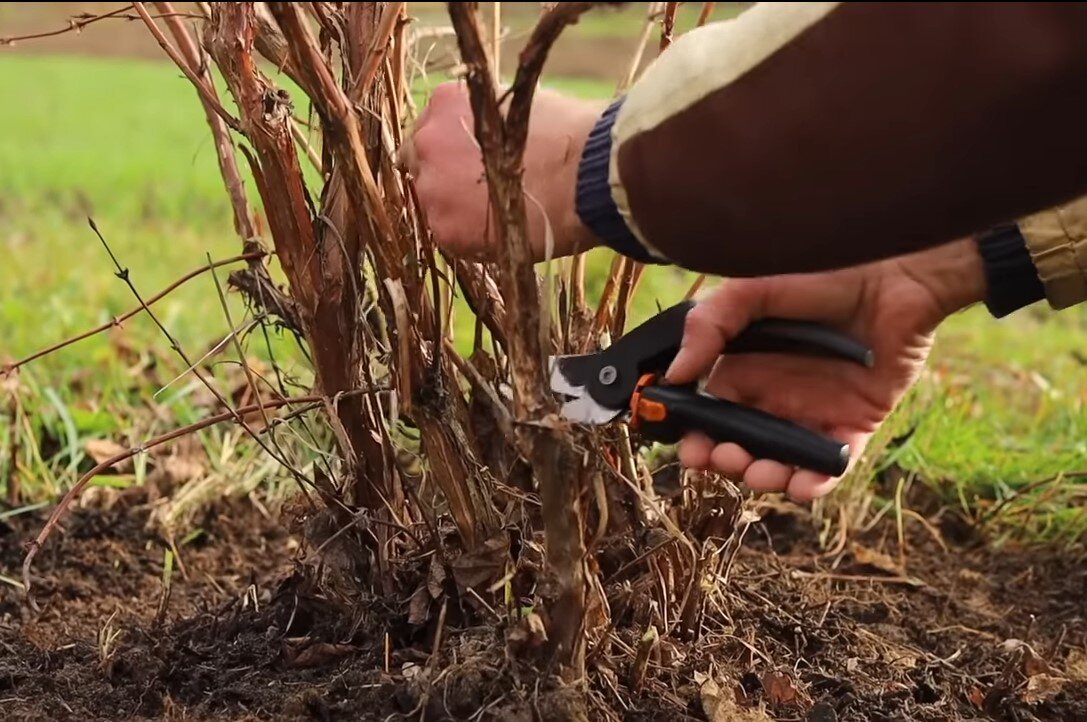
<point x="501" y="475"/>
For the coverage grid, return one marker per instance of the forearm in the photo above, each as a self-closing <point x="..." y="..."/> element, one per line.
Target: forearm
<point x="811" y="136"/>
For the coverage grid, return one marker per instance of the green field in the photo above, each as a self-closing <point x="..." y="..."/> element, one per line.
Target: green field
<point x="125" y="141"/>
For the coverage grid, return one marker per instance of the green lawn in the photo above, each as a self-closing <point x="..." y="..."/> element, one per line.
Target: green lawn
<point x="126" y="142"/>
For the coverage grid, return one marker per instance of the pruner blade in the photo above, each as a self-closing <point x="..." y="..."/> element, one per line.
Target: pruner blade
<point x="578" y="405"/>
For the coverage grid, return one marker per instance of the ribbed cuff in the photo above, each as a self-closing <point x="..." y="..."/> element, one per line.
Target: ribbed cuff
<point x="594" y="202"/>
<point x="1010" y="274"/>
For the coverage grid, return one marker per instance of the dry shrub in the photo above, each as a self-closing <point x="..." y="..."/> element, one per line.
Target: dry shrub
<point x="557" y="531"/>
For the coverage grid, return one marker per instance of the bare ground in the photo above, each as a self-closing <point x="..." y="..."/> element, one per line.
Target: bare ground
<point x="965" y="634"/>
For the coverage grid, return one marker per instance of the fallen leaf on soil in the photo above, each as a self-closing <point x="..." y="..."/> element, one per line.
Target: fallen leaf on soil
<point x="877" y="560"/>
<point x="1075" y="666"/>
<point x="779" y="688"/>
<point x="436" y="579"/>
<point x="719" y="705"/>
<point x="1041" y="687"/>
<point x="976" y="697"/>
<point x="320" y="654"/>
<point x="482" y="566"/>
<point x="418" y="607"/>
<point x="102" y="449"/>
<point x="528" y="633"/>
<point x="1032" y="664"/>
<point x="99" y="497"/>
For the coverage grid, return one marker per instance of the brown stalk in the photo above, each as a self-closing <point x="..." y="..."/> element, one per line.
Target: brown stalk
<point x="206" y="93"/>
<point x="266" y="295"/>
<point x="224" y="145"/>
<point x="502" y="140"/>
<point x="379" y="45"/>
<point x="704" y="15"/>
<point x="323" y="279"/>
<point x="668" y="25"/>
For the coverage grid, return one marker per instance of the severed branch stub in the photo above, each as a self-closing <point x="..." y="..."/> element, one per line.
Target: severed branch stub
<point x="502" y="140"/>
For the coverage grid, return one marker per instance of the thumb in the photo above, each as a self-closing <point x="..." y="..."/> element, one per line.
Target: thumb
<point x="712" y="323"/>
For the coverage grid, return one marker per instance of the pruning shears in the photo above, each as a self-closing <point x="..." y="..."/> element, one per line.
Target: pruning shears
<point x="623" y="381"/>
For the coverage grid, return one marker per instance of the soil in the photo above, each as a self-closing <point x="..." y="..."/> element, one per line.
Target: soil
<point x="964" y="634"/>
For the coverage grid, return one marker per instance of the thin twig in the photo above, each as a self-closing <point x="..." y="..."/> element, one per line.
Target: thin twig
<point x="205" y="92"/>
<point x="668" y="25"/>
<point x="240" y="351"/>
<point x="76" y="23"/>
<point x="123" y="274"/>
<point x="695" y="287"/>
<point x="496" y="39"/>
<point x="704" y="15"/>
<point x="117" y="321"/>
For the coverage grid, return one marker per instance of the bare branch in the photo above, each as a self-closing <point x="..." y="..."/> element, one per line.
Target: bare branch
<point x="206" y="92"/>
<point x="77" y="22"/>
<point x="9" y="368"/>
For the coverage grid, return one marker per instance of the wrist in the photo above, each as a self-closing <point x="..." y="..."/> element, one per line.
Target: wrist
<point x="580" y="237"/>
<point x="954" y="274"/>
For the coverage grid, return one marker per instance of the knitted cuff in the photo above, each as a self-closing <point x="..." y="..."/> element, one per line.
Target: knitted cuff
<point x="1010" y="275"/>
<point x="594" y="203"/>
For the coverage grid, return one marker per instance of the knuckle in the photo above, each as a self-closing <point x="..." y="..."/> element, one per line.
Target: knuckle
<point x="699" y="324"/>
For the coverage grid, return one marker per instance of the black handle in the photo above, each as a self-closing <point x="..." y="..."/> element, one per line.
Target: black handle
<point x="777" y="335"/>
<point x="764" y="436"/>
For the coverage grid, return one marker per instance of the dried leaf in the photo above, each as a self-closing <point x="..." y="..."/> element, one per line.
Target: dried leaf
<point x="1034" y="665"/>
<point x="482" y="566"/>
<point x="719" y="705"/>
<point x="182" y="468"/>
<point x="779" y="688"/>
<point x="976" y="697"/>
<point x="435" y="582"/>
<point x="320" y="654"/>
<point x="419" y="606"/>
<point x="102" y="449"/>
<point x="1041" y="687"/>
<point x="528" y="633"/>
<point x="877" y="561"/>
<point x="1075" y="666"/>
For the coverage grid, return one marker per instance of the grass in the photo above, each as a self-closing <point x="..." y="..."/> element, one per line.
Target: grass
<point x="126" y="141"/>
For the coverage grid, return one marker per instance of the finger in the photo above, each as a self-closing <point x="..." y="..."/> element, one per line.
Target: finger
<point x="711" y="323"/>
<point x="809" y="391"/>
<point x="695" y="450"/>
<point x="805" y="486"/>
<point x="766" y="476"/>
<point x="730" y="459"/>
<point x="407" y="158"/>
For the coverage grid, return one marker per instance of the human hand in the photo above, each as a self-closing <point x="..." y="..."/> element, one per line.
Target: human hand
<point x="894" y="306"/>
<point x="447" y="164"/>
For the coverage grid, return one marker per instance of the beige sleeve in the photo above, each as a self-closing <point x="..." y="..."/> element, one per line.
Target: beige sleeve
<point x="1057" y="241"/>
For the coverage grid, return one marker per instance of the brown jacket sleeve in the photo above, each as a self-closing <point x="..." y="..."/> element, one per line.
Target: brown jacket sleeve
<point x="807" y="136"/>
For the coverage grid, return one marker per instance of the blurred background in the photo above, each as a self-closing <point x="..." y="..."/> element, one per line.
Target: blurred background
<point x="97" y="122"/>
